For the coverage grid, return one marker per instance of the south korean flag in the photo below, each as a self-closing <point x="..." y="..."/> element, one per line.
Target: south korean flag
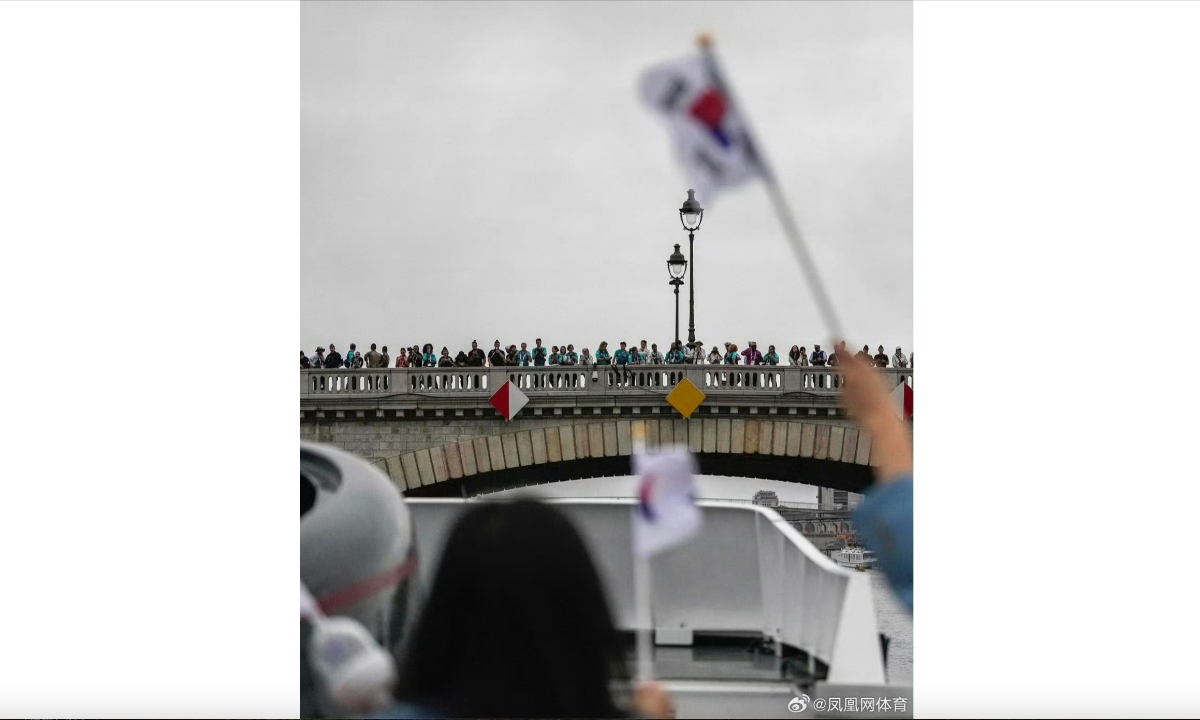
<point x="713" y="144"/>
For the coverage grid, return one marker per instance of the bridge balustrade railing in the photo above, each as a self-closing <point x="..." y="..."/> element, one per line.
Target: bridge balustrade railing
<point x="715" y="380"/>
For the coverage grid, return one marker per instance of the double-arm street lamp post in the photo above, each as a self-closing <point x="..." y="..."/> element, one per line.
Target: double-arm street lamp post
<point x="691" y="214"/>
<point x="676" y="266"/>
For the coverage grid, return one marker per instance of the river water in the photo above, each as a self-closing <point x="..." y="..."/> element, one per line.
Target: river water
<point x="895" y="622"/>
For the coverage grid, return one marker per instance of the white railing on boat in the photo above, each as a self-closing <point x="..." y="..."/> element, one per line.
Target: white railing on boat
<point x="748" y="571"/>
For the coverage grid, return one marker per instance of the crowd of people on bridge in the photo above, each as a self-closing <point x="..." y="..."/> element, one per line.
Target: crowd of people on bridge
<point x="678" y="353"/>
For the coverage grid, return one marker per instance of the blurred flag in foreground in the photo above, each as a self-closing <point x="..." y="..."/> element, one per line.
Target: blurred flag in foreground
<point x="713" y="143"/>
<point x="666" y="514"/>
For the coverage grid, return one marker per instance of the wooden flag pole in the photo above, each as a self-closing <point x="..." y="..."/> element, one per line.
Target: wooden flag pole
<point x="782" y="210"/>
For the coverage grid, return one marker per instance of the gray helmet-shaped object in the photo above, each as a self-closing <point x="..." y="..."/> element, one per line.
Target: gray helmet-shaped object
<point x="358" y="554"/>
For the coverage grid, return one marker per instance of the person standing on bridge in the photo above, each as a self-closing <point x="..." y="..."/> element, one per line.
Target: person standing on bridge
<point x="731" y="357"/>
<point x="602" y="357"/>
<point x="523" y="356"/>
<point x="656" y="358"/>
<point x="643" y="352"/>
<point x="835" y="359"/>
<point x="334" y="358"/>
<point x="675" y="354"/>
<point x="402" y="358"/>
<point x="898" y="360"/>
<point x="318" y="359"/>
<point x="881" y="358"/>
<point x="415" y="358"/>
<point x="555" y="358"/>
<point x="428" y="357"/>
<point x="585" y="358"/>
<point x="475" y="358"/>
<point x="387" y="359"/>
<point x="570" y="357"/>
<point x="794" y="356"/>
<point x="751" y="353"/>
<point x="374" y="359"/>
<point x="772" y="357"/>
<point x="496" y="356"/>
<point x="714" y="357"/>
<point x="621" y="357"/>
<point x="697" y="354"/>
<point x="539" y="354"/>
<point x="304" y="363"/>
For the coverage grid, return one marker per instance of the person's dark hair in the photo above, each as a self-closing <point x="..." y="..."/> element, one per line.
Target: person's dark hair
<point x="516" y="623"/>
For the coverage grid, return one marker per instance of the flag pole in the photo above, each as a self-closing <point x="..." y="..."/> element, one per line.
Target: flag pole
<point x="642" y="593"/>
<point x="782" y="210"/>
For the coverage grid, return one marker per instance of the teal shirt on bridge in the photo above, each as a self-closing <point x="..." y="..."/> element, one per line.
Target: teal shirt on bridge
<point x="621" y="357"/>
<point x="601" y="357"/>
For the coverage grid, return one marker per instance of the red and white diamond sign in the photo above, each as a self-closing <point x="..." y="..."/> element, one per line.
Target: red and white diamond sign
<point x="902" y="400"/>
<point x="508" y="400"/>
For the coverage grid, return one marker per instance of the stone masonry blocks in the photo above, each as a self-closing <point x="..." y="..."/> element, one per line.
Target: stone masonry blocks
<point x="425" y="466"/>
<point x="862" y="454"/>
<point x="553" y="448"/>
<point x="524" y="448"/>
<point x="751" y="445"/>
<point x="808" y="437"/>
<point x="836" y="436"/>
<point x="849" y="445"/>
<point x="496" y="452"/>
<point x="438" y="457"/>
<point x="821" y="444"/>
<point x="566" y="441"/>
<point x="466" y="454"/>
<point x="708" y="442"/>
<point x="794" y="430"/>
<point x="766" y="435"/>
<point x="609" y="431"/>
<point x="509" y="442"/>
<point x="412" y="476"/>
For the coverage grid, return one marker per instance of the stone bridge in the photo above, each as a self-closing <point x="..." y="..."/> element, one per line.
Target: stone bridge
<point x="434" y="432"/>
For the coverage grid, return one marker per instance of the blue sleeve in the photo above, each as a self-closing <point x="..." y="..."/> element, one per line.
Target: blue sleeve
<point x="885" y="520"/>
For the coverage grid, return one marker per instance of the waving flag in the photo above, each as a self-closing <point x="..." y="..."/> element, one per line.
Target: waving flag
<point x="666" y="514"/>
<point x="717" y="148"/>
<point x="713" y="144"/>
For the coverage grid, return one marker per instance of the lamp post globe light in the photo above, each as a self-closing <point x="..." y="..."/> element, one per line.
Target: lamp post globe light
<point x="676" y="267"/>
<point x="691" y="215"/>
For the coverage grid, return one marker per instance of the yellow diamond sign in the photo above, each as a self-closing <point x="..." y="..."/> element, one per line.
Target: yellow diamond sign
<point x="686" y="397"/>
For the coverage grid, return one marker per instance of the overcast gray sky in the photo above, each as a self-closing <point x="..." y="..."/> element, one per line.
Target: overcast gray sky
<point x="486" y="170"/>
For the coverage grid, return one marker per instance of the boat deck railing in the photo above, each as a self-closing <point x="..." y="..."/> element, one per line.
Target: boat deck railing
<point x="748" y="573"/>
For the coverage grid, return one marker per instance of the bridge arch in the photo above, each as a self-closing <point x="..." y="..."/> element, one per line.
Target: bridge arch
<point x="825" y="454"/>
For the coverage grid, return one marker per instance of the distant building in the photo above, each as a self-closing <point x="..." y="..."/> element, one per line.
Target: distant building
<point x="829" y="499"/>
<point x="766" y="498"/>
